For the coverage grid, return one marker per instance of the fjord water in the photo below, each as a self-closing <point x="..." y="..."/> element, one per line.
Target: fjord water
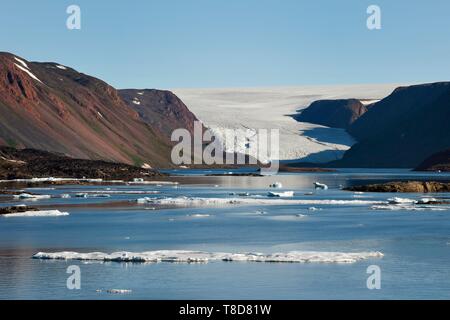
<point x="415" y="244"/>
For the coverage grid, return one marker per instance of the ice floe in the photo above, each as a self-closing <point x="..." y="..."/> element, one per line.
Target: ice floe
<point x="199" y="215"/>
<point x="319" y="185"/>
<point x="42" y="213"/>
<point x="204" y="257"/>
<point x="27" y="196"/>
<point x="277" y="185"/>
<point x="409" y="207"/>
<point x="397" y="200"/>
<point x="119" y="291"/>
<point x="285" y="194"/>
<point x="198" y="201"/>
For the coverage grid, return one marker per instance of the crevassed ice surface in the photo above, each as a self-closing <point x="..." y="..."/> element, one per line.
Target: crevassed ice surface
<point x="271" y="108"/>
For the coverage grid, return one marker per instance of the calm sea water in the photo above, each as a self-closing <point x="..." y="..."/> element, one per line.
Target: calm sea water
<point x="415" y="244"/>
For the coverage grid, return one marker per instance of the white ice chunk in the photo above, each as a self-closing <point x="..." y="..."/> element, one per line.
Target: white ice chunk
<point x="198" y="201"/>
<point x="319" y="185"/>
<point x="27" y="196"/>
<point x="203" y="257"/>
<point x="43" y="213"/>
<point x="277" y="185"/>
<point x="285" y="194"/>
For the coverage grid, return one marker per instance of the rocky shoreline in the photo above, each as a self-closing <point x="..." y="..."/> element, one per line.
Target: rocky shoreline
<point x="404" y="186"/>
<point x="31" y="163"/>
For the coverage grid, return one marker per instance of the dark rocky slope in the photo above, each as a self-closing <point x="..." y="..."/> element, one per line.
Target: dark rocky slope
<point x="437" y="162"/>
<point x="51" y="107"/>
<point x="30" y="163"/>
<point x="162" y="110"/>
<point x="403" y="129"/>
<point x="333" y="113"/>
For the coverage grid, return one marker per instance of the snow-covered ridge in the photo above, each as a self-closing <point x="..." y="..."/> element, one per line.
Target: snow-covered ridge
<point x="203" y="257"/>
<point x="197" y="201"/>
<point x="27" y="72"/>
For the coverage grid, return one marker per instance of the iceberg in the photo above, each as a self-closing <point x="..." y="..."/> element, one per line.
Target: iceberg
<point x="178" y="256"/>
<point x="43" y="213"/>
<point x="198" y="201"/>
<point x="397" y="200"/>
<point x="27" y="196"/>
<point x="319" y="185"/>
<point x="276" y="185"/>
<point x="285" y="194"/>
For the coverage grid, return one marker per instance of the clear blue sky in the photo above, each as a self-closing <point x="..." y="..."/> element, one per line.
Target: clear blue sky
<point x="235" y="43"/>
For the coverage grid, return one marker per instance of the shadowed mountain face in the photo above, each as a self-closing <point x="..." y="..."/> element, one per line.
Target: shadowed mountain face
<point x="333" y="113"/>
<point x="162" y="110"/>
<point x="437" y="162"/>
<point x="55" y="108"/>
<point x="403" y="129"/>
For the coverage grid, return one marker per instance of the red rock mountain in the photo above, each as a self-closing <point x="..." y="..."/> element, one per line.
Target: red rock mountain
<point x="52" y="107"/>
<point x="162" y="110"/>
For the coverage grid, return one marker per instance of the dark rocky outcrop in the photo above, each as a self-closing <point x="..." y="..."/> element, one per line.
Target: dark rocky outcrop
<point x="16" y="209"/>
<point x="333" y="113"/>
<point x="437" y="162"/>
<point x="404" y="186"/>
<point x="30" y="163"/>
<point x="403" y="129"/>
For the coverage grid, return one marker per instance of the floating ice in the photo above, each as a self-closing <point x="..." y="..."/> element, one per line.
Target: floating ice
<point x="204" y="257"/>
<point x="397" y="200"/>
<point x="319" y="185"/>
<point x="426" y="200"/>
<point x="285" y="194"/>
<point x="277" y="185"/>
<point x="27" y="196"/>
<point x="119" y="291"/>
<point x="99" y="192"/>
<point x="197" y="201"/>
<point x="408" y="207"/>
<point x="199" y="215"/>
<point x="43" y="213"/>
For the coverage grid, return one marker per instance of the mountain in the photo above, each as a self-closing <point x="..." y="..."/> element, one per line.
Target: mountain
<point x="437" y="162"/>
<point x="52" y="107"/>
<point x="162" y="110"/>
<point x="339" y="113"/>
<point x="403" y="129"/>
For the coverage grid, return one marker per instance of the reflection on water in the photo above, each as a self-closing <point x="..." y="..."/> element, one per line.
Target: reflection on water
<point x="416" y="244"/>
